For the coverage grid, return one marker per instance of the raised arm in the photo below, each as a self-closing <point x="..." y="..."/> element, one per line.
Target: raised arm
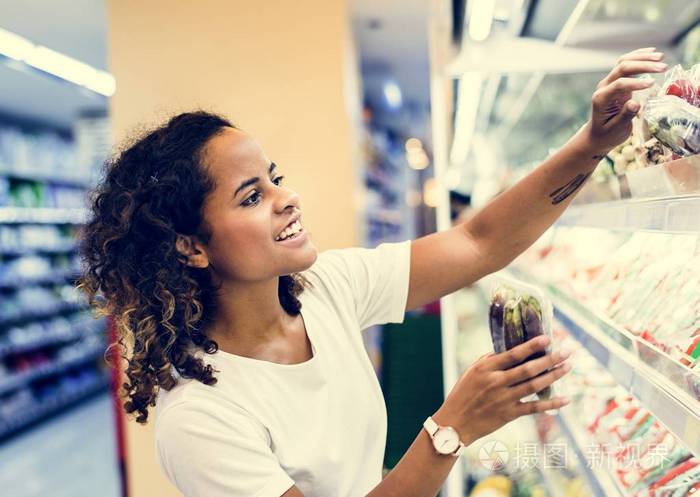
<point x="444" y="262"/>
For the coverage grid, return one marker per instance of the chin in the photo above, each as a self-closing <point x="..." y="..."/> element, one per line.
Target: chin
<point x="307" y="259"/>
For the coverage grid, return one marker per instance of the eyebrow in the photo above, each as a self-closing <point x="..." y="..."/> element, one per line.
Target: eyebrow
<point x="252" y="181"/>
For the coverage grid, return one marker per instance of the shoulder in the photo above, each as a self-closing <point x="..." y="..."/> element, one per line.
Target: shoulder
<point x="193" y="408"/>
<point x="343" y="266"/>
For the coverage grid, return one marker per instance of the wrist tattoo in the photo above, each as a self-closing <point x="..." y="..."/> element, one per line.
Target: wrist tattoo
<point x="564" y="192"/>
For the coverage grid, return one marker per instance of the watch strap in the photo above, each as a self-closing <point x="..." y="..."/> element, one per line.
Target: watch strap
<point x="432" y="427"/>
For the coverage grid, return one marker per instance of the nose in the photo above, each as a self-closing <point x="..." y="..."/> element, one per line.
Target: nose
<point x="287" y="199"/>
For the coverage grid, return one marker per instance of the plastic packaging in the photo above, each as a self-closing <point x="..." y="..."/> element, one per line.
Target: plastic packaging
<point x="518" y="313"/>
<point x="674" y="115"/>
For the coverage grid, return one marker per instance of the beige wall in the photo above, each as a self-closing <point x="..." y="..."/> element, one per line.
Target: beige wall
<point x="282" y="70"/>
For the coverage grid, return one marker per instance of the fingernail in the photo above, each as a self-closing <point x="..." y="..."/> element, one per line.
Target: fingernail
<point x="567" y="367"/>
<point x="634" y="106"/>
<point x="544" y="340"/>
<point x="564" y="353"/>
<point x="661" y="65"/>
<point x="565" y="401"/>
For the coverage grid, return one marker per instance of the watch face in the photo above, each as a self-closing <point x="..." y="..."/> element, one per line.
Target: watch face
<point x="446" y="440"/>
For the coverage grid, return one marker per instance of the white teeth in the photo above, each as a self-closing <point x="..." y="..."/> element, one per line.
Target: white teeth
<point x="293" y="229"/>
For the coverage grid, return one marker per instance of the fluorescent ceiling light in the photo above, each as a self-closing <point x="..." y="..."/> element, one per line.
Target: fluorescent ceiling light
<point x="57" y="64"/>
<point x="468" y="100"/>
<point x="392" y="93"/>
<point x="481" y="19"/>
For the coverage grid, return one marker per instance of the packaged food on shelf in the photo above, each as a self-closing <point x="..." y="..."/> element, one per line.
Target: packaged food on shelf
<point x="39" y="155"/>
<point x="673" y="115"/>
<point x="645" y="283"/>
<point x="625" y="439"/>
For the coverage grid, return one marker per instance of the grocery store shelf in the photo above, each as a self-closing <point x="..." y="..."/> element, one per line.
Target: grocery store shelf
<point x="671" y="405"/>
<point x="60" y="308"/>
<point x="667" y="389"/>
<point x="52" y="278"/>
<point x="45" y="341"/>
<point x="18" y="380"/>
<point x="55" y="405"/>
<point x="39" y="177"/>
<point x="60" y="248"/>
<point x="672" y="215"/>
<point x="600" y="481"/>
<point x="41" y="215"/>
<point x="384" y="216"/>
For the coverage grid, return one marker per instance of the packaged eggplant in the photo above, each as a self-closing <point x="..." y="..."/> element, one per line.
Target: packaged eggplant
<point x="518" y="313"/>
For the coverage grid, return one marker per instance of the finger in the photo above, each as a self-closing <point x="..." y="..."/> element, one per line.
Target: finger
<point x="525" y="408"/>
<point x="649" y="56"/>
<point x="609" y="101"/>
<point x="539" y="383"/>
<point x="620" y="86"/>
<point x="629" y="110"/>
<point x="534" y="367"/>
<point x="633" y="68"/>
<point x="516" y="355"/>
<point x="639" y="51"/>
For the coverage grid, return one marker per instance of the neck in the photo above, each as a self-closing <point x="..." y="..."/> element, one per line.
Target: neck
<point x="249" y="315"/>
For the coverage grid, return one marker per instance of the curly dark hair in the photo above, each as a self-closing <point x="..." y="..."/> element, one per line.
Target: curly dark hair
<point x="152" y="194"/>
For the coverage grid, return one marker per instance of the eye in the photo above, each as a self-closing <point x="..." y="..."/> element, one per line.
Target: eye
<point x="252" y="199"/>
<point x="278" y="180"/>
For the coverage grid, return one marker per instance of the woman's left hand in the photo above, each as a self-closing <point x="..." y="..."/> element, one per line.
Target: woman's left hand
<point x="613" y="106"/>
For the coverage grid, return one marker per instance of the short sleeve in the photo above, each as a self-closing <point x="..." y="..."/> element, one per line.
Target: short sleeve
<point x="209" y="453"/>
<point x="376" y="279"/>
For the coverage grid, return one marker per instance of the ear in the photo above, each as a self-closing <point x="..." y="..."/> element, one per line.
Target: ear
<point x="193" y="251"/>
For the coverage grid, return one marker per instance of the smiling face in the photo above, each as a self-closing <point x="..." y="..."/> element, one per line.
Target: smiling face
<point x="246" y="212"/>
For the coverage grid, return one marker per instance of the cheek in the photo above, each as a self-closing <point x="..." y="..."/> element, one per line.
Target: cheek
<point x="239" y="246"/>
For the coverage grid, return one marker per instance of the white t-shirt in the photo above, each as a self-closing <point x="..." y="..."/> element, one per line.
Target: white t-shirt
<point x="320" y="425"/>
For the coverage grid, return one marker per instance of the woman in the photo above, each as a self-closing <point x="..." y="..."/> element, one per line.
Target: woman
<point x="249" y="341"/>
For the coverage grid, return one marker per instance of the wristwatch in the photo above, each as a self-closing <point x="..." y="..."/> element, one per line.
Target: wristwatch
<point x="445" y="438"/>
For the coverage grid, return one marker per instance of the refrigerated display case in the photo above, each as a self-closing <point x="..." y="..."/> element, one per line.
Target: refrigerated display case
<point x="618" y="266"/>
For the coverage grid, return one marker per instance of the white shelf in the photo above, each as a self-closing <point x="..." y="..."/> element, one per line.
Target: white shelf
<point x="671" y="402"/>
<point x="41" y="215"/>
<point x="671" y="215"/>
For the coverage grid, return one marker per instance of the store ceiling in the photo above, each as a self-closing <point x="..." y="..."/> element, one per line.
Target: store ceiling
<point x="392" y="41"/>
<point x="77" y="28"/>
<point x="397" y="49"/>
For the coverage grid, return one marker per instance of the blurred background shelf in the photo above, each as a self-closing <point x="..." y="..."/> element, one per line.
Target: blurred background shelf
<point x="53" y="405"/>
<point x="8" y="348"/>
<point x="59" y="308"/>
<point x="37" y="176"/>
<point x="43" y="371"/>
<point x="68" y="246"/>
<point x="42" y="215"/>
<point x="52" y="278"/>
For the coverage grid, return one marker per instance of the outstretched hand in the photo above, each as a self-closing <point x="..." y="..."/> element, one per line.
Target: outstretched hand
<point x="612" y="102"/>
